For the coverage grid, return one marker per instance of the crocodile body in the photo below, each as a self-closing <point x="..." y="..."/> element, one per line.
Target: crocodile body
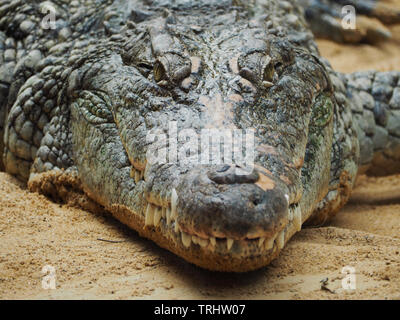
<point x="77" y="104"/>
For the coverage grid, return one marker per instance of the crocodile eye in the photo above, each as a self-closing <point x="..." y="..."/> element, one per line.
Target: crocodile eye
<point x="268" y="72"/>
<point x="171" y="69"/>
<point x="159" y="72"/>
<point x="257" y="68"/>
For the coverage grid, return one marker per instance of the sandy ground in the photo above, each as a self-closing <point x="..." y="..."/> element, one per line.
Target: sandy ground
<point x="365" y="236"/>
<point x="359" y="57"/>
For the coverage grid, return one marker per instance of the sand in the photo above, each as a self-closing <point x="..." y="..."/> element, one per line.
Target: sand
<point x="384" y="56"/>
<point x="364" y="236"/>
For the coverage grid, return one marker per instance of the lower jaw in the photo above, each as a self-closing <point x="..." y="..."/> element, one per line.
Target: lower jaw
<point x="214" y="254"/>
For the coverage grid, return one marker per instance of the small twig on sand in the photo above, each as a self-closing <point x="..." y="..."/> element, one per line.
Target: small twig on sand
<point x="111" y="241"/>
<point x="324" y="285"/>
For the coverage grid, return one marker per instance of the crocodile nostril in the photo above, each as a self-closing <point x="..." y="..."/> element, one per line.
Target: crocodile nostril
<point x="231" y="175"/>
<point x="257" y="201"/>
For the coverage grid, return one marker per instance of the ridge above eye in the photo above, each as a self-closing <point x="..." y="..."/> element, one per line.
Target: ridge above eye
<point x="172" y="63"/>
<point x="171" y="68"/>
<point x="257" y="68"/>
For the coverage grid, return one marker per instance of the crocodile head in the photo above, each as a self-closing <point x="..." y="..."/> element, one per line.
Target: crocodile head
<point x="160" y="84"/>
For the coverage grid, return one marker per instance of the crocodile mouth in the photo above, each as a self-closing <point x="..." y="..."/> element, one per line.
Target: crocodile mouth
<point x="165" y="219"/>
<point x="161" y="215"/>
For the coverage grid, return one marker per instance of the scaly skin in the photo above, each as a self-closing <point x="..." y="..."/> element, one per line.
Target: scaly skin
<point x="79" y="107"/>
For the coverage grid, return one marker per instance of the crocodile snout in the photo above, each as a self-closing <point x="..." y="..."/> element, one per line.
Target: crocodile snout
<point x="226" y="205"/>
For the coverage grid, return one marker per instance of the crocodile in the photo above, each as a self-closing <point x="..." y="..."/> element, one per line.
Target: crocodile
<point x="85" y="83"/>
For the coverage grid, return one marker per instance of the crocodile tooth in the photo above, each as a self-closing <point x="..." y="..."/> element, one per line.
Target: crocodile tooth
<point x="212" y="245"/>
<point x="186" y="239"/>
<point x="291" y="214"/>
<point x="157" y="216"/>
<point x="195" y="239"/>
<point x="297" y="219"/>
<point x="203" y="242"/>
<point x="168" y="213"/>
<point x="213" y="241"/>
<point x="229" y="244"/>
<point x="176" y="227"/>
<point x="174" y="202"/>
<point x="163" y="201"/>
<point x="280" y="239"/>
<point x="267" y="84"/>
<point x="269" y="244"/>
<point x="261" y="241"/>
<point x="144" y="172"/>
<point x="137" y="176"/>
<point x="149" y="219"/>
<point x="163" y="212"/>
<point x="162" y="83"/>
<point x="287" y="197"/>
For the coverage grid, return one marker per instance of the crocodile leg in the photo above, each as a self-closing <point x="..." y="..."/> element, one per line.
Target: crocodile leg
<point x="325" y="18"/>
<point x="4" y="87"/>
<point x="30" y="133"/>
<point x="13" y="77"/>
<point x="19" y="54"/>
<point x="27" y="124"/>
<point x="375" y="102"/>
<point x="15" y="67"/>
